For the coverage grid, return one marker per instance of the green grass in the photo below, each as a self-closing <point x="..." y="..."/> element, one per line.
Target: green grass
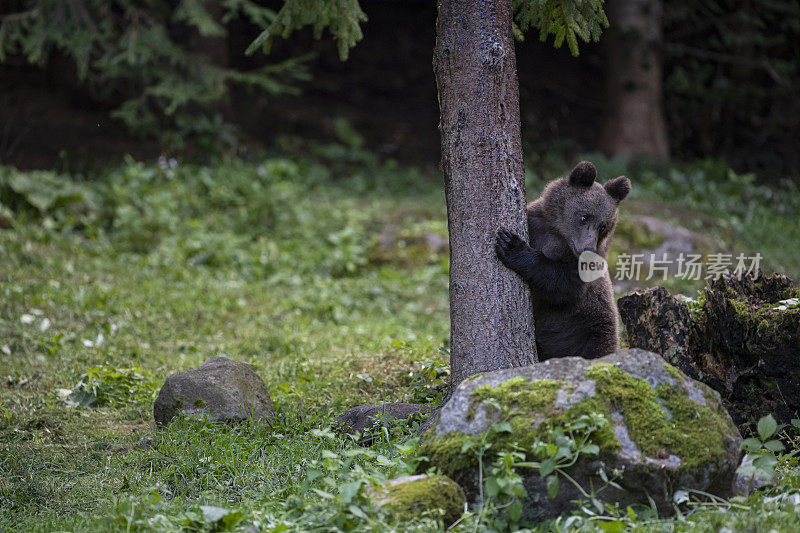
<point x="317" y="277"/>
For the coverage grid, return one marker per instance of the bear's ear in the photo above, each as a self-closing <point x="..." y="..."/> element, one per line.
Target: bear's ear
<point x="618" y="188"/>
<point x="583" y="175"/>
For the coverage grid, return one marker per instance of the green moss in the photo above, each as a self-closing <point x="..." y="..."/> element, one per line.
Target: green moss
<point x="528" y="399"/>
<point x="633" y="398"/>
<point x="521" y="393"/>
<point x="765" y="327"/>
<point x="605" y="438"/>
<point x="674" y="373"/>
<point x="695" y="433"/>
<point x="411" y="499"/>
<point x="445" y="451"/>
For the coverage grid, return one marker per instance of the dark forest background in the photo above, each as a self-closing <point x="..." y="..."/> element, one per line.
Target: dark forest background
<point x="730" y="76"/>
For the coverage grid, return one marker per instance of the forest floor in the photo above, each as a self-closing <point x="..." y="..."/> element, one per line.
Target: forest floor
<point x="329" y="276"/>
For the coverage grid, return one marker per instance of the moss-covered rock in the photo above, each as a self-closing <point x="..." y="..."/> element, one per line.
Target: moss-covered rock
<point x="664" y="430"/>
<point x="412" y="496"/>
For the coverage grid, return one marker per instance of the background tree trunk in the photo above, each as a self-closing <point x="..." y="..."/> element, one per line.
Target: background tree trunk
<point x="216" y="49"/>
<point x="634" y="120"/>
<point x="476" y="77"/>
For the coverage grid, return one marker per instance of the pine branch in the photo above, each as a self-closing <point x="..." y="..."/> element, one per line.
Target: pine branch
<point x="342" y="18"/>
<point x="566" y="20"/>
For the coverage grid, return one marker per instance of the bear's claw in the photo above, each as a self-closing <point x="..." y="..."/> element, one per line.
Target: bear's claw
<point x="506" y="245"/>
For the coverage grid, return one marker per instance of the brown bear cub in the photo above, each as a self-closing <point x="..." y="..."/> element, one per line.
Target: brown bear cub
<point x="573" y="215"/>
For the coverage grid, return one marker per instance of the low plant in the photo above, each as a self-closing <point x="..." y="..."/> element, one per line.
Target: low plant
<point x="766" y="450"/>
<point x="428" y="384"/>
<point x="551" y="455"/>
<point x="108" y="385"/>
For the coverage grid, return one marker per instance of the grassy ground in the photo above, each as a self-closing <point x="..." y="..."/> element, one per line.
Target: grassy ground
<point x="319" y="274"/>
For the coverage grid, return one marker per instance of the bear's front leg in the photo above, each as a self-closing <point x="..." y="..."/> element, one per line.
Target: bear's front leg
<point x="515" y="253"/>
<point x="557" y="282"/>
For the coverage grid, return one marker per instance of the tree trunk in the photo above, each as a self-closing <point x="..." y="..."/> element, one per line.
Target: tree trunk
<point x="475" y="66"/>
<point x="634" y="120"/>
<point x="217" y="48"/>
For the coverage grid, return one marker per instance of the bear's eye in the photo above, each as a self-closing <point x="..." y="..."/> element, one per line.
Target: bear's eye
<point x="585" y="218"/>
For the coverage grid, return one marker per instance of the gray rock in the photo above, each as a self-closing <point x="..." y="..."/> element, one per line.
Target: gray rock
<point x="411" y="496"/>
<point x="747" y="485"/>
<point x="664" y="430"/>
<point x="220" y="390"/>
<point x="144" y="443"/>
<point x="362" y="418"/>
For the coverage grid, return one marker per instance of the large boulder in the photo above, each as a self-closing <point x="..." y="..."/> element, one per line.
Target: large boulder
<point x="220" y="390"/>
<point x="741" y="337"/>
<point x="663" y="430"/>
<point x="411" y="496"/>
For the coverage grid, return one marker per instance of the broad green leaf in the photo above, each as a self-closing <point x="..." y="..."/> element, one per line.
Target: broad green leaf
<point x="774" y="446"/>
<point x="552" y="486"/>
<point x="767" y="427"/>
<point x="349" y="490"/>
<point x="515" y="511"/>
<point x="546" y="468"/>
<point x="591" y="449"/>
<point x="751" y="445"/>
<point x="357" y="511"/>
<point x="765" y="461"/>
<point x="408" y="446"/>
<point x="323" y="494"/>
<point x="616" y="526"/>
<point x="492" y="488"/>
<point x="81" y="398"/>
<point x="503" y="427"/>
<point x="680" y="496"/>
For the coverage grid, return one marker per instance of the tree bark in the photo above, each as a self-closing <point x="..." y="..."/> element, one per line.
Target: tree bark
<point x="634" y="120"/>
<point x="476" y="76"/>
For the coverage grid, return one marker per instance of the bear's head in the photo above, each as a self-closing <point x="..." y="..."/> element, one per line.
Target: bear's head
<point x="583" y="212"/>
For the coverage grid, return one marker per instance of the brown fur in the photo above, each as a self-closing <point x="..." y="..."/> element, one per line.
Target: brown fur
<point x="571" y="317"/>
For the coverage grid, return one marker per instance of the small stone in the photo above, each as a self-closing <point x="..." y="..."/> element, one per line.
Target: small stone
<point x="362" y="418"/>
<point x="144" y="442"/>
<point x="220" y="390"/>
